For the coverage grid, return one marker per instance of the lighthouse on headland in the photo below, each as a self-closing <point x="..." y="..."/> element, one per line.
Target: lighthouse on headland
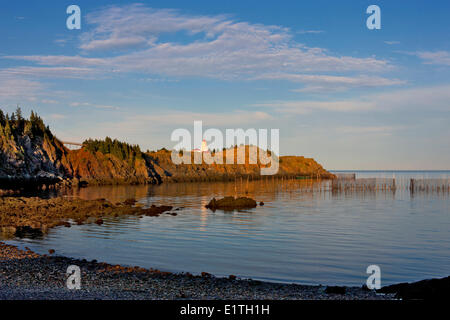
<point x="203" y="148"/>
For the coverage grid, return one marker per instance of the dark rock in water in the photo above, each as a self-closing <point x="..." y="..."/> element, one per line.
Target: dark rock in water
<point x="64" y="223"/>
<point x="261" y="203"/>
<point x="335" y="290"/>
<point x="431" y="289"/>
<point x="28" y="232"/>
<point x="231" y="203"/>
<point x="155" y="210"/>
<point x="99" y="221"/>
<point x="51" y="251"/>
<point x="130" y="201"/>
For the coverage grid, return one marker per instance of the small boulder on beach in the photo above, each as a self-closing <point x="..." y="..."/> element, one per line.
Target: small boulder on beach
<point x="231" y="203"/>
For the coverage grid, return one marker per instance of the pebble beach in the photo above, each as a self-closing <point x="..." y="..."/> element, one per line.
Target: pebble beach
<point x="25" y="274"/>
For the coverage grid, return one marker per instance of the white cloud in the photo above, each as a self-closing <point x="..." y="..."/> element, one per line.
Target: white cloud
<point x="183" y="118"/>
<point x="49" y="101"/>
<point x="392" y="42"/>
<point x="13" y="89"/>
<point x="50" y="60"/>
<point x="51" y="72"/>
<point x="213" y="47"/>
<point x="436" y="57"/>
<point x="133" y="25"/>
<point x="423" y="99"/>
<point x="304" y="107"/>
<point x="146" y="129"/>
<point x="310" y="31"/>
<point x="93" y="105"/>
<point x="383" y="130"/>
<point x="57" y="116"/>
<point x="329" y="83"/>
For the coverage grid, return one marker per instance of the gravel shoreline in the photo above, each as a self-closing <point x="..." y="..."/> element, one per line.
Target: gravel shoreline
<point x="25" y="274"/>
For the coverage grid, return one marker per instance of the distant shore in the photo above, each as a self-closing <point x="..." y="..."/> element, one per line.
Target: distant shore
<point x="25" y="274"/>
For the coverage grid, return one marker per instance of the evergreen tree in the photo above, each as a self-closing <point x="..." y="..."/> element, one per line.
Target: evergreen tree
<point x="19" y="114"/>
<point x="2" y="118"/>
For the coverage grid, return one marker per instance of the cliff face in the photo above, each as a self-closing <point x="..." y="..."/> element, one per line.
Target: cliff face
<point x="30" y="155"/>
<point x="99" y="168"/>
<point x="28" y="151"/>
<point x="288" y="166"/>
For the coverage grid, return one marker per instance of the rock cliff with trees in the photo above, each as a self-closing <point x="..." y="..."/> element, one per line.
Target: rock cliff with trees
<point x="30" y="155"/>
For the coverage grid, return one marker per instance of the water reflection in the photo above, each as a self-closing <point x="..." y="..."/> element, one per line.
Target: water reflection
<point x="306" y="232"/>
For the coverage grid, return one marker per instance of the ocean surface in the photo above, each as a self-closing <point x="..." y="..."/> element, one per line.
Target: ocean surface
<point x="305" y="233"/>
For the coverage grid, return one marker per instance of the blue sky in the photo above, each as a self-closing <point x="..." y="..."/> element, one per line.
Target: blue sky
<point x="350" y="97"/>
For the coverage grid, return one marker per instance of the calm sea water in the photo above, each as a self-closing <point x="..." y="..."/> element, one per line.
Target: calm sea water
<point x="305" y="233"/>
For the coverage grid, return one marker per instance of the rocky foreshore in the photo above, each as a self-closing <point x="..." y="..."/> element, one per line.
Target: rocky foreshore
<point x="33" y="216"/>
<point x="27" y="275"/>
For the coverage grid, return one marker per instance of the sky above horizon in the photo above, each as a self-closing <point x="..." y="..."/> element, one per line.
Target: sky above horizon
<point x="350" y="97"/>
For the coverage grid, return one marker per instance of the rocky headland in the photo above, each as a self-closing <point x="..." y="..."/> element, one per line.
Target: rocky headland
<point x="31" y="156"/>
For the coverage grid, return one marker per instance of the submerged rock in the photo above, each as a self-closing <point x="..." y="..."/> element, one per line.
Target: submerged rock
<point x="31" y="217"/>
<point x="130" y="201"/>
<point x="155" y="210"/>
<point x="28" y="232"/>
<point x="231" y="203"/>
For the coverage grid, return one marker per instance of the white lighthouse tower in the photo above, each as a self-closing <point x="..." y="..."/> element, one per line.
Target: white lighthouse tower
<point x="204" y="147"/>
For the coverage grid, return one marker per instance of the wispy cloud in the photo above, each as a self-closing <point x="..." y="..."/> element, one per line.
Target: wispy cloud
<point x="434" y="57"/>
<point x="310" y="31"/>
<point x="331" y="83"/>
<point x="52" y="72"/>
<point x="432" y="98"/>
<point x="383" y="130"/>
<point x="13" y="89"/>
<point x="392" y="42"/>
<point x="144" y="127"/>
<point x="216" y="46"/>
<point x="93" y="105"/>
<point x="57" y="116"/>
<point x="304" y="107"/>
<point x="49" y="101"/>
